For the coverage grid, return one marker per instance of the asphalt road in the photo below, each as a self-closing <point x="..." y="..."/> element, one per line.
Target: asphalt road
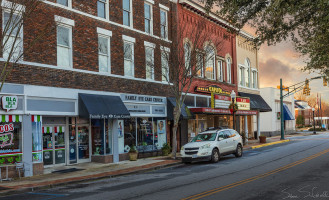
<point x="294" y="170"/>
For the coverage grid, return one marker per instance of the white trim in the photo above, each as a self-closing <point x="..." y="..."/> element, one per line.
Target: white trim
<point x="12" y="6"/>
<point x="162" y="48"/>
<point x="104" y="20"/>
<point x="249" y="88"/>
<point x="164" y="7"/>
<point x="70" y="42"/>
<point x="104" y="32"/>
<point x="63" y="20"/>
<point x="128" y="38"/>
<point x="149" y="44"/>
<point x="150" y="1"/>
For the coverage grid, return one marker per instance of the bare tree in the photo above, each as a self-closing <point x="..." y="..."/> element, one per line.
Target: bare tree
<point x="183" y="62"/>
<point x="13" y="47"/>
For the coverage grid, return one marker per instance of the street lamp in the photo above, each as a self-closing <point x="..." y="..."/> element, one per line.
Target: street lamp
<point x="233" y="96"/>
<point x="313" y="109"/>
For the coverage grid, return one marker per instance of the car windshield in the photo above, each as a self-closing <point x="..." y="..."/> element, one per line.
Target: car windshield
<point x="205" y="137"/>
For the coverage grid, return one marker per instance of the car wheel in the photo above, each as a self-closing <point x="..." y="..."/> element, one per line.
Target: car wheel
<point x="215" y="156"/>
<point x="238" y="151"/>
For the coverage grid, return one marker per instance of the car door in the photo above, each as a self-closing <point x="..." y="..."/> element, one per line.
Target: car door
<point x="235" y="139"/>
<point x="222" y="142"/>
<point x="229" y="140"/>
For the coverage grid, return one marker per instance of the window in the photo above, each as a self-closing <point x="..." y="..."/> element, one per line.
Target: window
<point x="64" y="46"/>
<point x="210" y="63"/>
<point x="126" y="9"/>
<point x="228" y="65"/>
<point x="163" y="24"/>
<point x="247" y="74"/>
<point x="63" y="2"/>
<point x="199" y="65"/>
<point x="187" y="57"/>
<point x="241" y="76"/>
<point x="254" y="79"/>
<point x="149" y="59"/>
<point x="148" y="18"/>
<point x="220" y="70"/>
<point x="101" y="8"/>
<point x="165" y="65"/>
<point x="13" y="36"/>
<point x="104" y="61"/>
<point x="128" y="48"/>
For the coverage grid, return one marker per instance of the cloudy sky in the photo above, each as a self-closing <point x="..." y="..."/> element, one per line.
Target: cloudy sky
<point x="281" y="61"/>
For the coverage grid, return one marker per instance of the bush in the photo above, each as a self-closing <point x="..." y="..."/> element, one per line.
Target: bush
<point x="166" y="148"/>
<point x="317" y="129"/>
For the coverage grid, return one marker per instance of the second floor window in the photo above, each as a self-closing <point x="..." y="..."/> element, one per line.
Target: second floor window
<point x="165" y="65"/>
<point x="128" y="58"/>
<point x="210" y="63"/>
<point x="220" y="70"/>
<point x="187" y="58"/>
<point x="199" y="64"/>
<point x="126" y="9"/>
<point x="64" y="46"/>
<point x="101" y="8"/>
<point x="241" y="76"/>
<point x="254" y="79"/>
<point x="63" y="2"/>
<point x="163" y="24"/>
<point x="229" y="67"/>
<point x="148" y="18"/>
<point x="149" y="59"/>
<point x="104" y="54"/>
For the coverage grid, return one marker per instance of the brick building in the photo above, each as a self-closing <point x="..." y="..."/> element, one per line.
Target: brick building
<point x="85" y="86"/>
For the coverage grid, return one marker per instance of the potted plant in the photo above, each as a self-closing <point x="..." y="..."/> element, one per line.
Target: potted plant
<point x="133" y="153"/>
<point x="233" y="107"/>
<point x="262" y="139"/>
<point x="166" y="148"/>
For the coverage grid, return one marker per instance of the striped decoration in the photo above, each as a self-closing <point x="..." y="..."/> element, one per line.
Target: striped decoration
<point x="11" y="118"/>
<point x="55" y="129"/>
<point x="36" y="118"/>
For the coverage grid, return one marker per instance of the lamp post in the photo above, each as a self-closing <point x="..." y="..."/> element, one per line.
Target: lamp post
<point x="233" y="96"/>
<point x="313" y="109"/>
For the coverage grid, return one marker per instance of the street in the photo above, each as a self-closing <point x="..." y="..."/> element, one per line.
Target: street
<point x="294" y="170"/>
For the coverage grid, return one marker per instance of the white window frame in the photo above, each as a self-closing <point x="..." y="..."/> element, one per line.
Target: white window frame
<point x="69" y="4"/>
<point x="66" y="23"/>
<point x="7" y="7"/>
<point x="254" y="78"/>
<point x="241" y="75"/>
<point x="130" y="14"/>
<point x="150" y="46"/>
<point x="166" y="27"/>
<point x="220" y="74"/>
<point x="131" y="41"/>
<point x="166" y="51"/>
<point x="107" y="9"/>
<point x="151" y="15"/>
<point x="107" y="35"/>
<point x="247" y="73"/>
<point x="229" y="70"/>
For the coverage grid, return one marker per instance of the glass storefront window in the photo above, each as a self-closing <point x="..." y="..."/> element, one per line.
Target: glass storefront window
<point x="48" y="146"/>
<point x="108" y="137"/>
<point x="160" y="132"/>
<point x="144" y="131"/>
<point x="72" y="144"/>
<point x="130" y="132"/>
<point x="11" y="142"/>
<point x="83" y="142"/>
<point x="37" y="141"/>
<point x="97" y="133"/>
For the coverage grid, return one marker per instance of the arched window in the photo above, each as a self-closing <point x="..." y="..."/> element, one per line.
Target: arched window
<point x="187" y="56"/>
<point x="210" y="63"/>
<point x="247" y="73"/>
<point x="228" y="70"/>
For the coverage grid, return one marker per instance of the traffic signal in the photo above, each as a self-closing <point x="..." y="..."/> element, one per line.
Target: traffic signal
<point x="306" y="89"/>
<point x="325" y="81"/>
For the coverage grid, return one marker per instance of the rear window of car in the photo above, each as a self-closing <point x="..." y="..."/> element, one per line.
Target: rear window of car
<point x="205" y="137"/>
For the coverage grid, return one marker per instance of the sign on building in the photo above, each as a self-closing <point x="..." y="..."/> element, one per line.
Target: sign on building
<point x="9" y="102"/>
<point x="243" y="103"/>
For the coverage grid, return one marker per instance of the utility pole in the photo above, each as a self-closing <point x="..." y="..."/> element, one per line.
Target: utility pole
<point x="281" y="110"/>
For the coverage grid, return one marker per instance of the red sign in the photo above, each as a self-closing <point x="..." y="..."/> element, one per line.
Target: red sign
<point x="243" y="99"/>
<point x="223" y="97"/>
<point x="222" y="111"/>
<point x="211" y="89"/>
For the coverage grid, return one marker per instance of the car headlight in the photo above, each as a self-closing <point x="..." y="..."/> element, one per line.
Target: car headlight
<point x="206" y="146"/>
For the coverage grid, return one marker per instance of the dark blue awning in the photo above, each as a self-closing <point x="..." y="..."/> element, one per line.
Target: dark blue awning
<point x="101" y="107"/>
<point x="185" y="111"/>
<point x="287" y="115"/>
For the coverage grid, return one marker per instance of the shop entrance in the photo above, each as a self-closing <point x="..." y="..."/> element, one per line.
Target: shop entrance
<point x="79" y="145"/>
<point x="53" y="145"/>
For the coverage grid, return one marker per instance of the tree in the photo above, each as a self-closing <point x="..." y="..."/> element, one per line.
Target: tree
<point x="16" y="13"/>
<point x="184" y="62"/>
<point x="305" y="22"/>
<point x="300" y="120"/>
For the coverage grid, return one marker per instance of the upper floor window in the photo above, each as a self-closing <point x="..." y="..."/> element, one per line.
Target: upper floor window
<point x="229" y="69"/>
<point x="149" y="59"/>
<point x="104" y="50"/>
<point x="254" y="79"/>
<point x="165" y="63"/>
<point x="126" y="9"/>
<point x="63" y="2"/>
<point x="199" y="65"/>
<point x="247" y="73"/>
<point x="241" y="76"/>
<point x="101" y="8"/>
<point x="187" y="57"/>
<point x="220" y="70"/>
<point x="128" y="52"/>
<point x="163" y="24"/>
<point x="148" y="21"/>
<point x="210" y="63"/>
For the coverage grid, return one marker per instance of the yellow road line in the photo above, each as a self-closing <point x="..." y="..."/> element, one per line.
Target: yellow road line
<point x="268" y="144"/>
<point x="226" y="187"/>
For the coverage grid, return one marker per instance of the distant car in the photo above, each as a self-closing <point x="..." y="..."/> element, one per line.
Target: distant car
<point x="211" y="145"/>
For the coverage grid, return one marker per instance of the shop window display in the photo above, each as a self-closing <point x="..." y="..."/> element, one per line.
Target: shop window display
<point x="130" y="132"/>
<point x="160" y="132"/>
<point x="10" y="142"/>
<point x="97" y="131"/>
<point x="37" y="141"/>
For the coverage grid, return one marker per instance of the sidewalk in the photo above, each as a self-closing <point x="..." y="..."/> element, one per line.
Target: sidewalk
<point x="90" y="171"/>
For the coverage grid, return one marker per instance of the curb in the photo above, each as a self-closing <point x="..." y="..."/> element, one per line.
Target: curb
<point x="269" y="144"/>
<point x="45" y="185"/>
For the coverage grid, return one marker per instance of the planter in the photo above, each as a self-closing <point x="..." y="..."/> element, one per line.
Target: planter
<point x="133" y="156"/>
<point x="262" y="139"/>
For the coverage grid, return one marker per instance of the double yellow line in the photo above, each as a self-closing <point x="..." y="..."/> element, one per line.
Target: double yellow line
<point x="226" y="187"/>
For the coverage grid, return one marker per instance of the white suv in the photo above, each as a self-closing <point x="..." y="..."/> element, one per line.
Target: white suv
<point x="212" y="144"/>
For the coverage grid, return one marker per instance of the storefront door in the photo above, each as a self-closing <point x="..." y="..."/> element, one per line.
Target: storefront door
<point x="53" y="145"/>
<point x="83" y="144"/>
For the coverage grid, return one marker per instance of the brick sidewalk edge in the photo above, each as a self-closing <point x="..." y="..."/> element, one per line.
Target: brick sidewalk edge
<point x="264" y="145"/>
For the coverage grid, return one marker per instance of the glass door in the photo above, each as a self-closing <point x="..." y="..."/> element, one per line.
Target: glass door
<point x="53" y="145"/>
<point x="72" y="144"/>
<point x="48" y="148"/>
<point x="83" y="143"/>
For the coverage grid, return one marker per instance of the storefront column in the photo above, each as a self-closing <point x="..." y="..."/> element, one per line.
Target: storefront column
<point x="246" y="127"/>
<point x="115" y="141"/>
<point x="27" y="145"/>
<point x="258" y="124"/>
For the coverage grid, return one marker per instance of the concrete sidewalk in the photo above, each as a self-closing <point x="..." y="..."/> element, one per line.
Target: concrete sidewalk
<point x="91" y="171"/>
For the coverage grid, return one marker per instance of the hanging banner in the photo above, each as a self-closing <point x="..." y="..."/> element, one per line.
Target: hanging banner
<point x="243" y="103"/>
